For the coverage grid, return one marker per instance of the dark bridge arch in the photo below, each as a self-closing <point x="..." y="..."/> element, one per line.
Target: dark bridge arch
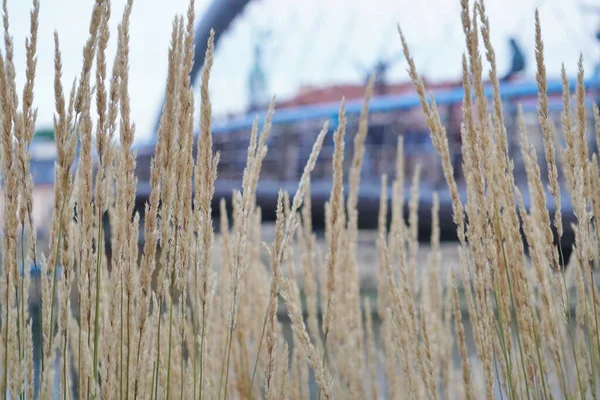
<point x="218" y="16"/>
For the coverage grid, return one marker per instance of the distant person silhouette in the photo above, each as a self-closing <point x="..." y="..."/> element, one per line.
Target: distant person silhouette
<point x="517" y="60"/>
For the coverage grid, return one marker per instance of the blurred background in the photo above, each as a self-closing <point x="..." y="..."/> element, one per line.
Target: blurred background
<point x="301" y="44"/>
<point x="309" y="55"/>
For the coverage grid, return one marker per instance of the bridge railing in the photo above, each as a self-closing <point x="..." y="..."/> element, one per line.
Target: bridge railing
<point x="295" y="130"/>
<point x="510" y="92"/>
<point x="290" y="144"/>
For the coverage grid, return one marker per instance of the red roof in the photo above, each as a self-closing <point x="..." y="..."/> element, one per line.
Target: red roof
<point x="328" y="94"/>
<point x="308" y="95"/>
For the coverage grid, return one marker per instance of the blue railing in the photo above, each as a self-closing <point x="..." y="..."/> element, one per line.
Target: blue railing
<point x="508" y="91"/>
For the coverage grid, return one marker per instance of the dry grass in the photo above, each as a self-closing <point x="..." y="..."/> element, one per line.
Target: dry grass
<point x="209" y="327"/>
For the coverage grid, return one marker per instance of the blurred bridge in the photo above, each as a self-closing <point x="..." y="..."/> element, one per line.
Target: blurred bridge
<point x="294" y="130"/>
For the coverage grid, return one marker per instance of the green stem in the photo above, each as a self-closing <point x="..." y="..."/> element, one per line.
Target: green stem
<point x="326" y="334"/>
<point x="19" y="302"/>
<point x="65" y="366"/>
<point x="202" y="336"/>
<point x="121" y="344"/>
<point x="513" y="316"/>
<point x="539" y="357"/>
<point x="54" y="278"/>
<point x="500" y="332"/>
<point x="21" y="313"/>
<point x="172" y="300"/>
<point x="590" y="344"/>
<point x="170" y="345"/>
<point x="135" y="390"/>
<point x="181" y="382"/>
<point x="259" y="347"/>
<point x="567" y="313"/>
<point x="160" y="302"/>
<point x="229" y="344"/>
<point x="572" y="337"/>
<point x="5" y="379"/>
<point x="153" y="380"/>
<point x="128" y="347"/>
<point x="498" y="378"/>
<point x="97" y="308"/>
<point x="80" y="365"/>
<point x="597" y="330"/>
<point x="195" y="321"/>
<point x="514" y="311"/>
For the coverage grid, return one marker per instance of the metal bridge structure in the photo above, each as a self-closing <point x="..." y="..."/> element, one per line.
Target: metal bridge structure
<point x="230" y="138"/>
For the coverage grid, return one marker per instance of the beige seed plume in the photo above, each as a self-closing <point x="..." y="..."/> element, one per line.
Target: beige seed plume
<point x="549" y="150"/>
<point x="335" y="207"/>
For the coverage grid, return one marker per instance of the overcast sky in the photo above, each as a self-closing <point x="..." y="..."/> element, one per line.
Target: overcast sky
<point x="311" y="42"/>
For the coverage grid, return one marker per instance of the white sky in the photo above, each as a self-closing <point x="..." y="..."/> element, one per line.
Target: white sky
<point x="311" y="42"/>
